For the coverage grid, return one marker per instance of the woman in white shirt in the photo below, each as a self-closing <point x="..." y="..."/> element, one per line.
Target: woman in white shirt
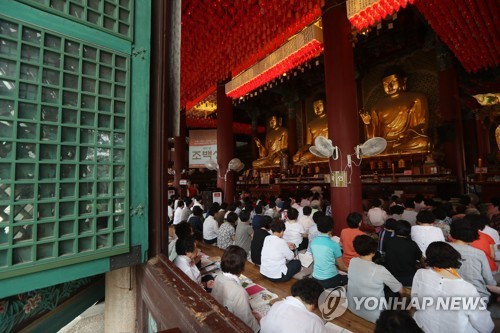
<point x="275" y="254"/>
<point x="186" y="253"/>
<point x="294" y="231"/>
<point x="227" y="289"/>
<point x="441" y="280"/>
<point x="211" y="226"/>
<point x="296" y="313"/>
<point x="178" y="212"/>
<point x="425" y="232"/>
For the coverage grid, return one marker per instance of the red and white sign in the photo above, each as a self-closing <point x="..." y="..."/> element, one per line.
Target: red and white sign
<point x="217" y="197"/>
<point x="202" y="147"/>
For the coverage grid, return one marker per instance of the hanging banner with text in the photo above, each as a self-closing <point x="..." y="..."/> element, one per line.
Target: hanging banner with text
<point x="202" y="147"/>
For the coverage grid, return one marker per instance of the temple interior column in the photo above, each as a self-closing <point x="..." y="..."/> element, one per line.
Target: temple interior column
<point x="255" y="133"/>
<point x="453" y="146"/>
<point x="225" y="143"/>
<point x="341" y="107"/>
<point x="292" y="127"/>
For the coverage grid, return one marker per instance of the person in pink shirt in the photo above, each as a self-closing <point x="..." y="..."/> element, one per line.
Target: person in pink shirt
<point x="347" y="236"/>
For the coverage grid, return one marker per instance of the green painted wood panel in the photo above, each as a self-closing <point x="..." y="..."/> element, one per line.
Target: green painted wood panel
<point x="73" y="122"/>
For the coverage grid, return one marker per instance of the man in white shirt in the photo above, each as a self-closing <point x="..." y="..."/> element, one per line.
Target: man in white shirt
<point x="178" y="212"/>
<point x="295" y="313"/>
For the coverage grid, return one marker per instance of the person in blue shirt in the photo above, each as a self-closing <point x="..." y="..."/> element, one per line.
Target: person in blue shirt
<point x="327" y="256"/>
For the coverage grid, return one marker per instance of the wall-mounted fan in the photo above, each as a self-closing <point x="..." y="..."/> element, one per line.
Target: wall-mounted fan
<point x="372" y="147"/>
<point x="212" y="164"/>
<point x="235" y="165"/>
<point x="324" y="148"/>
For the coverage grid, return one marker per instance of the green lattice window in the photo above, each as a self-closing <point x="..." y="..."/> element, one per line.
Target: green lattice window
<point x="64" y="115"/>
<point x="111" y="15"/>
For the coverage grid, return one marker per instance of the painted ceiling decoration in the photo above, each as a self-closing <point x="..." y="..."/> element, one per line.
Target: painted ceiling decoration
<point x="222" y="38"/>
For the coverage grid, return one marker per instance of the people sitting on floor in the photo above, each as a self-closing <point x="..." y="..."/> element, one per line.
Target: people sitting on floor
<point x="296" y="313"/>
<point x="493" y="233"/>
<point x="210" y="225"/>
<point x="272" y="210"/>
<point x="396" y="212"/>
<point x="386" y="233"/>
<point x="418" y="202"/>
<point x="327" y="256"/>
<point x="347" y="236"/>
<point x="227" y="288"/>
<point x="425" y="232"/>
<point x="196" y="222"/>
<point x="402" y="254"/>
<point x="442" y="280"/>
<point x="187" y="253"/>
<point x="484" y="242"/>
<point x="258" y="240"/>
<point x="475" y="268"/>
<point x="186" y="211"/>
<point x="277" y="263"/>
<point x="442" y="222"/>
<point x="410" y="214"/>
<point x="182" y="230"/>
<point x="219" y="216"/>
<point x="306" y="219"/>
<point x="396" y="321"/>
<point x="257" y="218"/>
<point x="226" y="232"/>
<point x="244" y="231"/>
<point x="313" y="229"/>
<point x="295" y="232"/>
<point x="178" y="212"/>
<point x="376" y="215"/>
<point x="367" y="279"/>
<point x="493" y="207"/>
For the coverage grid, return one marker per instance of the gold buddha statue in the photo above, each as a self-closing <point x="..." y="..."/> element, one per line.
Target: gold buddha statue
<point x="316" y="127"/>
<point x="402" y="118"/>
<point x="276" y="144"/>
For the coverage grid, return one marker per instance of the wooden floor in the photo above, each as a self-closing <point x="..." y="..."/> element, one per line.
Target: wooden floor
<point x="348" y="320"/>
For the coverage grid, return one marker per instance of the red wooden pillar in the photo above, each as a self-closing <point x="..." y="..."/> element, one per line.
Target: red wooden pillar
<point x="453" y="147"/>
<point x="292" y="128"/>
<point x="482" y="138"/>
<point x="225" y="143"/>
<point x="180" y="154"/>
<point x="255" y="133"/>
<point x="342" y="113"/>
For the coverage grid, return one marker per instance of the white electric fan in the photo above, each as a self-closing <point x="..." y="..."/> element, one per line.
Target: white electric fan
<point x="371" y="147"/>
<point x="324" y="148"/>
